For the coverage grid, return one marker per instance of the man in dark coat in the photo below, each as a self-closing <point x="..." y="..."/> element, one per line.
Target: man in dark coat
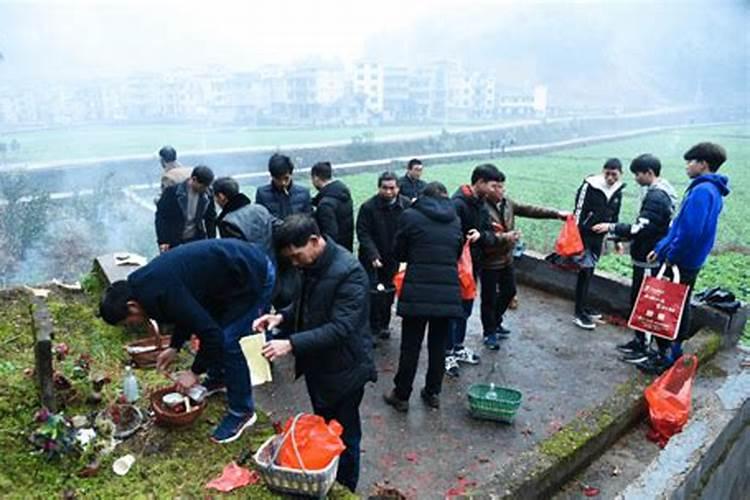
<point x="411" y="184"/>
<point x="215" y="289"/>
<point x="497" y="274"/>
<point x="327" y="327"/>
<point x="469" y="203"/>
<point x="185" y="212"/>
<point x="598" y="200"/>
<point x="281" y="196"/>
<point x="651" y="225"/>
<point x="333" y="205"/>
<point x="377" y="222"/>
<point x="430" y="241"/>
<point x="241" y="219"/>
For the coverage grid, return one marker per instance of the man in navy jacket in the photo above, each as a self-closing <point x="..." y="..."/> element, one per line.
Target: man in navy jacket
<point x="215" y="289"/>
<point x="282" y="197"/>
<point x="692" y="236"/>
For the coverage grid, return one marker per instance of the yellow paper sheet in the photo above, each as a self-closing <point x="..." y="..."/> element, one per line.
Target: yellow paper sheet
<point x="260" y="368"/>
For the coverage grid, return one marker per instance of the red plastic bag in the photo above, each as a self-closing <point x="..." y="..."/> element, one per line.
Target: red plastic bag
<point x="398" y="282"/>
<point x="232" y="477"/>
<point x="668" y="399"/>
<point x="466" y="274"/>
<point x="569" y="242"/>
<point x="310" y="443"/>
<point x="659" y="306"/>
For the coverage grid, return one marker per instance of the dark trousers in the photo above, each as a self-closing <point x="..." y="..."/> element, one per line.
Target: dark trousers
<point x="498" y="289"/>
<point x="638" y="274"/>
<point x="585" y="276"/>
<point x="381" y="301"/>
<point x="457" y="327"/>
<point x="346" y="412"/>
<point x="412" y="334"/>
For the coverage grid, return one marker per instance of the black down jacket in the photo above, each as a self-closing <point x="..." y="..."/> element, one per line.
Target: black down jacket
<point x="429" y="240"/>
<point x="335" y="214"/>
<point x="331" y="328"/>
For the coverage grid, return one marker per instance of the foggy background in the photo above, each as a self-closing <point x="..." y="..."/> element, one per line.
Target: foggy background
<point x="548" y="62"/>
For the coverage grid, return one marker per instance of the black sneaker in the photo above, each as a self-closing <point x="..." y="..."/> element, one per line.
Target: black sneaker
<point x="638" y="357"/>
<point x="593" y="313"/>
<point x="502" y="332"/>
<point x="633" y="346"/>
<point x="399" y="404"/>
<point x="583" y="321"/>
<point x="654" y="365"/>
<point x="431" y="400"/>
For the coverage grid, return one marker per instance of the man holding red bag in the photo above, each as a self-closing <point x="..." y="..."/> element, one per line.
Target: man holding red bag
<point x="691" y="237"/>
<point x="497" y="275"/>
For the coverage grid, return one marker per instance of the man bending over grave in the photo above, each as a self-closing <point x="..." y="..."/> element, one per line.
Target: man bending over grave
<point x="215" y="289"/>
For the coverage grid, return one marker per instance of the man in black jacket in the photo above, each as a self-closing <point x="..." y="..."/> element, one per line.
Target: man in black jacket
<point x="185" y="212"/>
<point x="282" y="197"/>
<point x="472" y="211"/>
<point x="241" y="219"/>
<point x="598" y="200"/>
<point x="327" y="326"/>
<point x="333" y="205"/>
<point x="430" y="241"/>
<point x="377" y="222"/>
<point x="651" y="225"/>
<point x="215" y="289"/>
<point x="411" y="184"/>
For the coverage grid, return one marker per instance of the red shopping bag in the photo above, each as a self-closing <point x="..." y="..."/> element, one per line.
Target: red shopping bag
<point x="569" y="242"/>
<point x="398" y="281"/>
<point x="658" y="308"/>
<point x="310" y="443"/>
<point x="466" y="274"/>
<point x="669" y="398"/>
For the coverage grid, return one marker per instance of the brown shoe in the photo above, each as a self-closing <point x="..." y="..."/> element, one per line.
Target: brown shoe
<point x="399" y="404"/>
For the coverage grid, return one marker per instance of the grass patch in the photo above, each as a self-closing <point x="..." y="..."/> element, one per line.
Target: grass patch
<point x="169" y="463"/>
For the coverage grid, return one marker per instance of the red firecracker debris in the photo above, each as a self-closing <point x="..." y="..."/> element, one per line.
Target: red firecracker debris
<point x="412" y="457"/>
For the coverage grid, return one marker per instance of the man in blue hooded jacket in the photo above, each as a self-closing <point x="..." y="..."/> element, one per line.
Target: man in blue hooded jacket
<point x="691" y="237"/>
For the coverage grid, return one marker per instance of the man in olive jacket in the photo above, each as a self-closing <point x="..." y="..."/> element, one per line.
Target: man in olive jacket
<point x="328" y="331"/>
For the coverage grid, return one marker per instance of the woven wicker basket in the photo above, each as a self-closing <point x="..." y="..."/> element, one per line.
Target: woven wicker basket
<point x="169" y="418"/>
<point x="314" y="483"/>
<point x="155" y="344"/>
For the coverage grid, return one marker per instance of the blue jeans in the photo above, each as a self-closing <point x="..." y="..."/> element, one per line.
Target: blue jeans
<point x="457" y="333"/>
<point x="234" y="371"/>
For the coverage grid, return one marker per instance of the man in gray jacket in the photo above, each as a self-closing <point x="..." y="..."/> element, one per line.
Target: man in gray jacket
<point x="239" y="218"/>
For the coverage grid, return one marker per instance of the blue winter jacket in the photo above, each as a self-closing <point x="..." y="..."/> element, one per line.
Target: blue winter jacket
<point x="693" y="232"/>
<point x="280" y="204"/>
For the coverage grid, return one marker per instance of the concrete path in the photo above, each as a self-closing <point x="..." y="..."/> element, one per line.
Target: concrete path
<point x="561" y="370"/>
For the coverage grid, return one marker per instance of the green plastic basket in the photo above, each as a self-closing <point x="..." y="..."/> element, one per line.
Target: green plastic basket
<point x="491" y="402"/>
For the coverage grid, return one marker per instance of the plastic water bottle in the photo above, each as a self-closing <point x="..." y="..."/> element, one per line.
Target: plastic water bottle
<point x="130" y="386"/>
<point x="491" y="394"/>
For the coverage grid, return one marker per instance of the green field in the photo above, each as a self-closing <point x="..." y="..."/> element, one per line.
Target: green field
<point x="105" y="141"/>
<point x="552" y="179"/>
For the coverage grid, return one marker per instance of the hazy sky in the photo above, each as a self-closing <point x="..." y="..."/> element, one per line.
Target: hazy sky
<point x="650" y="51"/>
<point x="68" y="36"/>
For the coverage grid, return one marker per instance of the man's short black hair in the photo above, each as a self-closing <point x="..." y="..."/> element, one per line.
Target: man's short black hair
<point x="612" y="164"/>
<point x="226" y="186"/>
<point x="279" y="165"/>
<point x="387" y="176"/>
<point x="168" y="154"/>
<point x="322" y="170"/>
<point x="486" y="172"/>
<point x="203" y="174"/>
<point x="646" y="163"/>
<point x="713" y="154"/>
<point x="412" y="163"/>
<point x="113" y="307"/>
<point x="295" y="231"/>
<point x="435" y="189"/>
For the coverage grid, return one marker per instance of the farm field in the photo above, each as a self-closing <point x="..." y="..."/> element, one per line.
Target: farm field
<point x="105" y="141"/>
<point x="552" y="180"/>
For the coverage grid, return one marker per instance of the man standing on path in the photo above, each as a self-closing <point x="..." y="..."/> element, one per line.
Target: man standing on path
<point x="411" y="184"/>
<point x="334" y="212"/>
<point x="327" y="329"/>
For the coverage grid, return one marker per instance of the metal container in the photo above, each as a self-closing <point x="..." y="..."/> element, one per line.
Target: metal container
<point x="172" y="399"/>
<point x="197" y="393"/>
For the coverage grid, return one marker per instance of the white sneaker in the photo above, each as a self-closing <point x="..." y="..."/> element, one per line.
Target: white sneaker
<point x="451" y="366"/>
<point x="466" y="355"/>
